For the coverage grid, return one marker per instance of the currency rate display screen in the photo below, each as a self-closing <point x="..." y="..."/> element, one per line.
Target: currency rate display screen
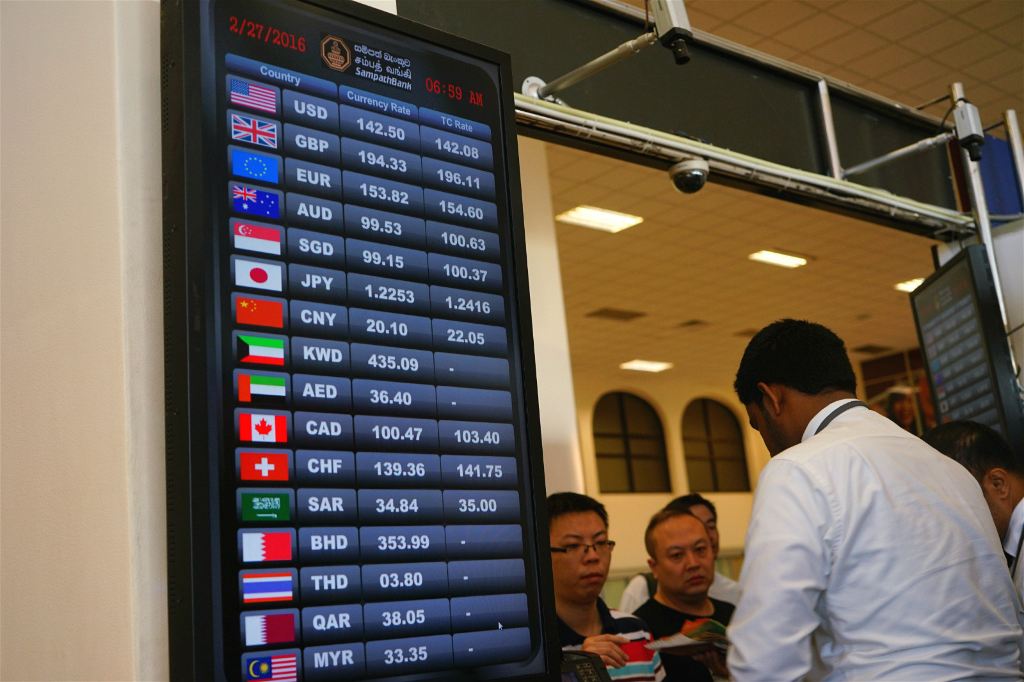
<point x="965" y="349"/>
<point x="362" y="441"/>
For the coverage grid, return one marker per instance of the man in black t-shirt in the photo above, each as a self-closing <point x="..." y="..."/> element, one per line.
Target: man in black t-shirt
<point x="683" y="561"/>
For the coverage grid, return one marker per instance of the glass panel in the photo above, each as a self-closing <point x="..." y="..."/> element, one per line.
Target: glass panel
<point x="728" y="448"/>
<point x="693" y="420"/>
<point x="647" y="447"/>
<point x="732" y="475"/>
<point x="650" y="475"/>
<point x="612" y="475"/>
<point x="722" y="421"/>
<point x="641" y="417"/>
<point x="695" y="448"/>
<point x="606" y="415"/>
<point x="605" y="445"/>
<point x="699" y="473"/>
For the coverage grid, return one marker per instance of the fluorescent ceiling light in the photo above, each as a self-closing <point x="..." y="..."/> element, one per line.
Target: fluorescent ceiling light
<point x="646" y="366"/>
<point x="784" y="260"/>
<point x="599" y="218"/>
<point x="909" y="285"/>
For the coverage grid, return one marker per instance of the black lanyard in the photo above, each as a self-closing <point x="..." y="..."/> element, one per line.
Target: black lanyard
<point x="836" y="412"/>
<point x="1016" y="557"/>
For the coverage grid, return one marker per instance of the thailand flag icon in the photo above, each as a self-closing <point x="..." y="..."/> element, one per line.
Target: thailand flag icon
<point x="261" y="586"/>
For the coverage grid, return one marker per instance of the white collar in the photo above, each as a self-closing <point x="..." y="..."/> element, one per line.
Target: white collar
<point x="1015" y="529"/>
<point x="812" y="426"/>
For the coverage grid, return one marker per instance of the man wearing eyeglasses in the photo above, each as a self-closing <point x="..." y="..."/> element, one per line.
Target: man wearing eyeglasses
<point x="682" y="558"/>
<point x="580" y="557"/>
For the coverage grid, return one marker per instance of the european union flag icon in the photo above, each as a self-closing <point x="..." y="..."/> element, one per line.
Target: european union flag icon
<point x="253" y="201"/>
<point x="255" y="166"/>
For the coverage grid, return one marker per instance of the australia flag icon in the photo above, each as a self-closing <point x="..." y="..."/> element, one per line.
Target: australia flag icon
<point x="254" y="201"/>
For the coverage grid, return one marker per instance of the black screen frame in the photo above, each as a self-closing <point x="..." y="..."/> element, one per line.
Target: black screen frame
<point x="997" y="349"/>
<point x="193" y="404"/>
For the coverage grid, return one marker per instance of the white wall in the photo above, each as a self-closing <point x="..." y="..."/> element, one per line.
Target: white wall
<point x="1008" y="244"/>
<point x="82" y="578"/>
<point x="563" y="469"/>
<point x="669" y="393"/>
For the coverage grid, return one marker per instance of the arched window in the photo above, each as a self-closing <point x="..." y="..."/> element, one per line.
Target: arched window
<point x="716" y="460"/>
<point x="630" y="445"/>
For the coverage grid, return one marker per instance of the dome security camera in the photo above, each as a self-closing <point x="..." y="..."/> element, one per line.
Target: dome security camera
<point x="689" y="175"/>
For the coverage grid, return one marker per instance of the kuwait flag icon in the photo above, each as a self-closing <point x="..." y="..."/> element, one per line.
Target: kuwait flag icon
<point x="263" y="465"/>
<point x="256" y="274"/>
<point x="258" y="387"/>
<point x="258" y="545"/>
<point x="258" y="237"/>
<point x="262" y="427"/>
<point x="269" y="627"/>
<point x="267" y="586"/>
<point x="256" y="349"/>
<point x="258" y="312"/>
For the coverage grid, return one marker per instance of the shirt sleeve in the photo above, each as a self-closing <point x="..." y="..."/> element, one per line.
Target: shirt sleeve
<point x="785" y="572"/>
<point x="635" y="595"/>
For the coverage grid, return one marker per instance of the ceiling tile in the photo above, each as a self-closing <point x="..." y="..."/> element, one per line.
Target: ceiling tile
<point x="813" y="32"/>
<point x="849" y="47"/>
<point x="930" y="40"/>
<point x="889" y="58"/>
<point x="862" y="12"/>
<point x="772" y="17"/>
<point x="994" y="13"/>
<point x="972" y="49"/>
<point x="725" y="9"/>
<point x="910" y="18"/>
<point x="1011" y="33"/>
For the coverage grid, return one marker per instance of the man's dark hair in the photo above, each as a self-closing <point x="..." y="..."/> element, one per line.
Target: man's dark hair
<point x="572" y="503"/>
<point x="977" y="447"/>
<point x="688" y="502"/>
<point x="660" y="518"/>
<point x="801" y="355"/>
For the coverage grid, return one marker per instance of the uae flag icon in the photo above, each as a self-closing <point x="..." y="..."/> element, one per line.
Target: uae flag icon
<point x="260" y="387"/>
<point x="264" y="426"/>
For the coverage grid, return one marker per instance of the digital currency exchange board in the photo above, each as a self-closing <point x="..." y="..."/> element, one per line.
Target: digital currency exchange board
<point x="354" y="472"/>
<point x="965" y="349"/>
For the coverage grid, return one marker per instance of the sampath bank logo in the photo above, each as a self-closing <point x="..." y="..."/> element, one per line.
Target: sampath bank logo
<point x="336" y="53"/>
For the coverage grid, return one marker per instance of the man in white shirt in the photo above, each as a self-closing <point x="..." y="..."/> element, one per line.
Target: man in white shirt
<point x="869" y="555"/>
<point x="988" y="457"/>
<point x="724" y="588"/>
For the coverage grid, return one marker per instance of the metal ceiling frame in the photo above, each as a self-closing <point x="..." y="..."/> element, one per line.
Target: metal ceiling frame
<point x="559" y="123"/>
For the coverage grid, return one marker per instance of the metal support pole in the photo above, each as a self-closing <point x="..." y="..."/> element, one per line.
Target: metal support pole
<point x="825" y="102"/>
<point x="979" y="206"/>
<point x="920" y="146"/>
<point x="626" y="49"/>
<point x="1017" y="148"/>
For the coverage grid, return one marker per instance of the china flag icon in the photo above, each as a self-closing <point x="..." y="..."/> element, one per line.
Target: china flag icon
<point x="258" y="311"/>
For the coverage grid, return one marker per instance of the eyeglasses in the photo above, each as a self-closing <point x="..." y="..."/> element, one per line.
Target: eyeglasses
<point x="576" y="549"/>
